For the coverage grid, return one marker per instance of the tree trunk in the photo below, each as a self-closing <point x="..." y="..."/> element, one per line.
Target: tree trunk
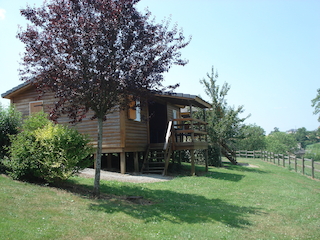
<point x="96" y="190"/>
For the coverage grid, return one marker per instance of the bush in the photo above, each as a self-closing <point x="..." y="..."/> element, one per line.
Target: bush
<point x="10" y="121"/>
<point x="45" y="151"/>
<point x="313" y="152"/>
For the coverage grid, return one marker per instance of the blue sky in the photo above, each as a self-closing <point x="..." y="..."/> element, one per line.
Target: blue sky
<point x="267" y="50"/>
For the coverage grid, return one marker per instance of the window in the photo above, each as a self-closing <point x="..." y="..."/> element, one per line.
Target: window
<point x="35" y="107"/>
<point x="174" y="116"/>
<point x="134" y="111"/>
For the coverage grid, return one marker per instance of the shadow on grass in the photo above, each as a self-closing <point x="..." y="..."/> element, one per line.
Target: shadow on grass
<point x="177" y="208"/>
<point x="231" y="175"/>
<point x="224" y="176"/>
<point x="159" y="205"/>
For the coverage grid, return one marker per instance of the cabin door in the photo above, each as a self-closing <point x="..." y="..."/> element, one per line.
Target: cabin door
<point x="157" y="122"/>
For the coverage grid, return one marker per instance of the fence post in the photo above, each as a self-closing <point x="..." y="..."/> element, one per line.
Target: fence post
<point x="303" y="165"/>
<point x="270" y="157"/>
<point x="278" y="158"/>
<point x="289" y="160"/>
<point x="295" y="163"/>
<point x="284" y="160"/>
<point x="312" y="168"/>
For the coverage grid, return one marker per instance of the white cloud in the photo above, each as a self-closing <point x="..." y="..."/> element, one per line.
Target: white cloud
<point x="2" y="14"/>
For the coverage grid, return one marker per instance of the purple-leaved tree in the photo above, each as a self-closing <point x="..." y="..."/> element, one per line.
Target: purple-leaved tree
<point x="92" y="54"/>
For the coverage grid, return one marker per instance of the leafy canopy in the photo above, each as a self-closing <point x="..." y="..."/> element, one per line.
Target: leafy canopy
<point x="225" y="123"/>
<point x="281" y="142"/>
<point x="252" y="138"/>
<point x="92" y="53"/>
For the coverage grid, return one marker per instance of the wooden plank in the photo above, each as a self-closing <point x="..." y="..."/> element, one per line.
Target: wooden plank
<point x="123" y="162"/>
<point x="190" y="131"/>
<point x="136" y="161"/>
<point x="190" y="119"/>
<point x="122" y="128"/>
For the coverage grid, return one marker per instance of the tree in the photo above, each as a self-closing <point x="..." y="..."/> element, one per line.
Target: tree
<point x="301" y="136"/>
<point x="316" y="104"/>
<point x="253" y="138"/>
<point x="281" y="142"/>
<point x="224" y="121"/>
<point x="275" y="129"/>
<point x="93" y="54"/>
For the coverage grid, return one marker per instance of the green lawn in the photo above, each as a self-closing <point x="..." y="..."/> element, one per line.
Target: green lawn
<point x="234" y="202"/>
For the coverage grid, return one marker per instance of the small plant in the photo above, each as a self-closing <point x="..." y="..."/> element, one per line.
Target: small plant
<point x="45" y="151"/>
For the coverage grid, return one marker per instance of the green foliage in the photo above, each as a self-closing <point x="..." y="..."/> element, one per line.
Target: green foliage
<point x="316" y="104"/>
<point x="281" y="142"/>
<point x="44" y="151"/>
<point x="224" y="121"/>
<point x="313" y="152"/>
<point x="305" y="137"/>
<point x="10" y="121"/>
<point x="253" y="138"/>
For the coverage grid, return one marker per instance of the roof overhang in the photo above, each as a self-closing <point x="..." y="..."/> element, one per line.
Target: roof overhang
<point x="184" y="99"/>
<point x="16" y="90"/>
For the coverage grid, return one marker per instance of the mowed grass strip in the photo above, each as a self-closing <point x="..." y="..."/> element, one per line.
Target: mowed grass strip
<point x="234" y="202"/>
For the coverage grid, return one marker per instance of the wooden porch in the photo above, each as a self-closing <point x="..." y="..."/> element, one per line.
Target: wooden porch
<point x="184" y="133"/>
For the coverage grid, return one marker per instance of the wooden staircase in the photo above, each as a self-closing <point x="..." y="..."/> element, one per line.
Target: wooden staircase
<point x="154" y="161"/>
<point x="228" y="153"/>
<point x="157" y="157"/>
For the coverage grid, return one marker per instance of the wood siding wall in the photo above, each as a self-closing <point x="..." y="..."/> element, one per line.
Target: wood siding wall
<point x="136" y="132"/>
<point x="120" y="134"/>
<point x="170" y="108"/>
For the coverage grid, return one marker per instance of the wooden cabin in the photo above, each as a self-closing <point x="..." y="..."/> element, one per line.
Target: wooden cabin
<point x="141" y="139"/>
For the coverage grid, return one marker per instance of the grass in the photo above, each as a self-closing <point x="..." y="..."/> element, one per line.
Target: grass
<point x="234" y="202"/>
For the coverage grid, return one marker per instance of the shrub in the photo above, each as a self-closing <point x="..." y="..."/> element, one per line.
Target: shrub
<point x="10" y="121"/>
<point x="45" y="151"/>
<point x="313" y="152"/>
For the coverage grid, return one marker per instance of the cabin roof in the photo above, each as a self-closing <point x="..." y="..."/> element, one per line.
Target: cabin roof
<point x="175" y="98"/>
<point x="185" y="99"/>
<point x="16" y="90"/>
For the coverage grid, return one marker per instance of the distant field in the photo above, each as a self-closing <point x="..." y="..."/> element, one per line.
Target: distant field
<point x="234" y="202"/>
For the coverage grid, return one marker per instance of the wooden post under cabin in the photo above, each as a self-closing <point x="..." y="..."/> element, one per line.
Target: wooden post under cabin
<point x="193" y="170"/>
<point x="109" y="161"/>
<point x="136" y="161"/>
<point x="123" y="162"/>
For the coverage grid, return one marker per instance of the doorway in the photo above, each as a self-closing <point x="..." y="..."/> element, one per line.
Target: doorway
<point x="157" y="122"/>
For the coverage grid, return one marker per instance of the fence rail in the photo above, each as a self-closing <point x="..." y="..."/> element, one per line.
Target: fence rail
<point x="299" y="164"/>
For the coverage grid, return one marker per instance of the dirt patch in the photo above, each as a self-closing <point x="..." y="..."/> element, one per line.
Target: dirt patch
<point x="113" y="176"/>
<point x="248" y="165"/>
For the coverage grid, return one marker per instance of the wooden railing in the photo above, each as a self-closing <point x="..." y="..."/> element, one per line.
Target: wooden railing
<point x="299" y="164"/>
<point x="167" y="147"/>
<point x="190" y="129"/>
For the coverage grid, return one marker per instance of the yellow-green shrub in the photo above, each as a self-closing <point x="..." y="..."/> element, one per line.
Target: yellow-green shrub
<point x="45" y="151"/>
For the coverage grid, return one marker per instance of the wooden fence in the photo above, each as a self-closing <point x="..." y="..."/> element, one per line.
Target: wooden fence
<point x="299" y="164"/>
